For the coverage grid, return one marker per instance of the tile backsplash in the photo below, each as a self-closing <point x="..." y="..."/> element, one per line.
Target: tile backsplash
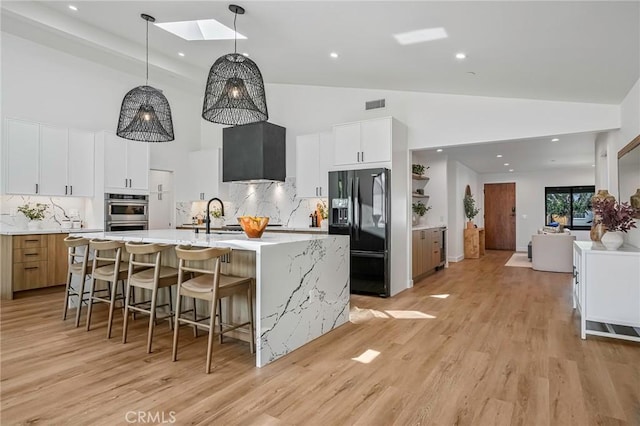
<point x="277" y="200"/>
<point x="59" y="208"/>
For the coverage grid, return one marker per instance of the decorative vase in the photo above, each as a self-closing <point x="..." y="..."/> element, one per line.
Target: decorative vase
<point x="596" y="232"/>
<point x="470" y="224"/>
<point x="414" y="219"/>
<point x="33" y="225"/>
<point x="612" y="240"/>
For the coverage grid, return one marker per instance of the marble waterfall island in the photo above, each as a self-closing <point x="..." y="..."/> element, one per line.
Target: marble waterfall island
<point x="302" y="280"/>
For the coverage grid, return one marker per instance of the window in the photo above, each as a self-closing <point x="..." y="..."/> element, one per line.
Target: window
<point x="569" y="206"/>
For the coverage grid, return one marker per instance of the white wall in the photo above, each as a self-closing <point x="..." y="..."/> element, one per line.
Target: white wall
<point x="435" y="188"/>
<point x="459" y="177"/>
<point x="630" y="113"/>
<point x="46" y="85"/>
<point x="530" y="197"/>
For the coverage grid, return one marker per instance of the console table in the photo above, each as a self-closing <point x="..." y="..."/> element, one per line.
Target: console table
<point x="473" y="243"/>
<point x="606" y="290"/>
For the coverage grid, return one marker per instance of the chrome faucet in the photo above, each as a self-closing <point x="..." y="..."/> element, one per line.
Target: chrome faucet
<point x="208" y="218"/>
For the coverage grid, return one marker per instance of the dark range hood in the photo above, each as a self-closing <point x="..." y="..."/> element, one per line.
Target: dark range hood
<point x="254" y="152"/>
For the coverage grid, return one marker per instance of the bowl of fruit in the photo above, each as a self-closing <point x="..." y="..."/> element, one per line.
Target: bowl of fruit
<point x="253" y="226"/>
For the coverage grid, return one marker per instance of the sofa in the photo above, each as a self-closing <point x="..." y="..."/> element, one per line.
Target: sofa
<point x="552" y="252"/>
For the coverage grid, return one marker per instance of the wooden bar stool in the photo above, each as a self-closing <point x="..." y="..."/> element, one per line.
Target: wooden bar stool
<point x="77" y="248"/>
<point x="108" y="266"/>
<point x="153" y="278"/>
<point x="212" y="286"/>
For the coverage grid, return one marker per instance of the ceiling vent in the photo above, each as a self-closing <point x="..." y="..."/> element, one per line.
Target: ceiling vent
<point x="378" y="103"/>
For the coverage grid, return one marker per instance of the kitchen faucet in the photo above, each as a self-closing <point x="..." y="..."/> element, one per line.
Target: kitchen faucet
<point x="208" y="218"/>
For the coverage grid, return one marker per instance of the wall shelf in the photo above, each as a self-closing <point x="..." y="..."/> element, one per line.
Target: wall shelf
<point x="416" y="195"/>
<point x="418" y="177"/>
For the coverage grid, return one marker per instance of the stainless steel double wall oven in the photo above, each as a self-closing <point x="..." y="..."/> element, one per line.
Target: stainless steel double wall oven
<point x="126" y="212"/>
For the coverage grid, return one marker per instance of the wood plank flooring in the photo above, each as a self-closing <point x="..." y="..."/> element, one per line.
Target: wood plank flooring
<point x="476" y="344"/>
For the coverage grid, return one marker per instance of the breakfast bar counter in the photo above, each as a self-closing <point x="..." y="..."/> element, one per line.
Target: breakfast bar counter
<point x="302" y="280"/>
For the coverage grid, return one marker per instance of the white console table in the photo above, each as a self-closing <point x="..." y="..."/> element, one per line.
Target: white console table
<point x="606" y="289"/>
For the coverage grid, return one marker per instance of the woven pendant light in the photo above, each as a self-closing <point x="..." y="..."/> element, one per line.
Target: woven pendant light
<point x="234" y="93"/>
<point x="145" y="114"/>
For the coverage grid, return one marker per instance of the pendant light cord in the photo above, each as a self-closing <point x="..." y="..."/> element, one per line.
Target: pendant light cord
<point x="235" y="33"/>
<point x="147" y="53"/>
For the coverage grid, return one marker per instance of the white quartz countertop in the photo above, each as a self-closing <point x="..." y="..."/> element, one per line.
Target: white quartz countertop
<point x="597" y="247"/>
<point x="269" y="229"/>
<point x="14" y="230"/>
<point x="422" y="227"/>
<point x="233" y="239"/>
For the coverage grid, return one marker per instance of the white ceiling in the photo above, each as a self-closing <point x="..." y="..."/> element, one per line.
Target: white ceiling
<point x="582" y="51"/>
<point x="526" y="155"/>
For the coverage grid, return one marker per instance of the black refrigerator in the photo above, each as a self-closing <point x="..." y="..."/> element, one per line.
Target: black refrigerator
<point x="359" y="203"/>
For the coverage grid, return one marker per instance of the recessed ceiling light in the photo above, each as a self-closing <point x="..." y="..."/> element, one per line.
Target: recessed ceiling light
<point x="593" y="165"/>
<point x="555" y="140"/>
<point x="439" y="150"/>
<point x="202" y="29"/>
<point x="180" y="54"/>
<point x="72" y="7"/>
<point x="245" y="54"/>
<point x="506" y="164"/>
<point x="510" y="170"/>
<point x="334" y="55"/>
<point x="460" y="55"/>
<point x="499" y="156"/>
<point x="419" y="36"/>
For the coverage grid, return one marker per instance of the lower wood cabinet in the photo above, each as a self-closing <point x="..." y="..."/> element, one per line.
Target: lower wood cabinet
<point x="428" y="251"/>
<point x="32" y="261"/>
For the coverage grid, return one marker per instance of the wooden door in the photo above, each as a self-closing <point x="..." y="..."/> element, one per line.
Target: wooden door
<point x="500" y="216"/>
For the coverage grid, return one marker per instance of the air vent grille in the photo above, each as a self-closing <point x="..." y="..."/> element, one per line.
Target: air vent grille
<point x="378" y="103"/>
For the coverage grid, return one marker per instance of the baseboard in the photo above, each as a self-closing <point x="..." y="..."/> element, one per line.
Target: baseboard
<point x="456" y="258"/>
<point x="522" y="249"/>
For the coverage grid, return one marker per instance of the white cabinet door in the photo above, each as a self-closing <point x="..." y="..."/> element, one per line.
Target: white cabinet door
<point x="22" y="157"/>
<point x="81" y="163"/>
<point x="138" y="165"/>
<point x="53" y="160"/>
<point x="325" y="162"/>
<point x="307" y="166"/>
<point x="346" y="144"/>
<point x="206" y="175"/>
<point x="115" y="162"/>
<point x="375" y="140"/>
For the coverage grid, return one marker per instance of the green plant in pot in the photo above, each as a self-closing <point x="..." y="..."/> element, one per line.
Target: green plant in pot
<point x="470" y="209"/>
<point x="35" y="213"/>
<point x="419" y="210"/>
<point x="217" y="221"/>
<point x="418" y="169"/>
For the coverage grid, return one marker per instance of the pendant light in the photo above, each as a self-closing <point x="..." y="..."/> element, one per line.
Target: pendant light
<point x="235" y="91"/>
<point x="145" y="114"/>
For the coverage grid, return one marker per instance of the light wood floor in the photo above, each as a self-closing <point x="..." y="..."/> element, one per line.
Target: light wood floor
<point x="501" y="348"/>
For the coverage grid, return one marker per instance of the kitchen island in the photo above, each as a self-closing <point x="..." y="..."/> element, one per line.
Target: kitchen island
<point x="302" y="280"/>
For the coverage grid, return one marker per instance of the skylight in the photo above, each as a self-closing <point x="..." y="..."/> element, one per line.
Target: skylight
<point x="420" y="36"/>
<point x="202" y="29"/>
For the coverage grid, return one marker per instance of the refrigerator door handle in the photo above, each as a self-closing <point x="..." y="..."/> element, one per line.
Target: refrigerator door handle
<point x="350" y="203"/>
<point x="356" y="207"/>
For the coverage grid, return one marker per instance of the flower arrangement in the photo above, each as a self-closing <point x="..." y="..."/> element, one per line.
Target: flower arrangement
<point x="614" y="215"/>
<point x="322" y="209"/>
<point x="419" y="208"/>
<point x="33" y="213"/>
<point x="216" y="213"/>
<point x="470" y="210"/>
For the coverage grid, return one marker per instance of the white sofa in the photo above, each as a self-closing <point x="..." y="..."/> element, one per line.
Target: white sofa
<point x="552" y="252"/>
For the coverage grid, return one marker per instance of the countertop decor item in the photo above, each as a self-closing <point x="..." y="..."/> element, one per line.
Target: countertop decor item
<point x="145" y="114"/>
<point x="598" y="229"/>
<point x="34" y="213"/>
<point x="470" y="210"/>
<point x="253" y="226"/>
<point x="616" y="217"/>
<point x="419" y="210"/>
<point x="235" y="90"/>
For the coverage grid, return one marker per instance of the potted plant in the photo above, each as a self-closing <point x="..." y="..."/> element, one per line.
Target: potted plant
<point x="323" y="214"/>
<point x="419" y="210"/>
<point x="35" y="214"/>
<point x="616" y="218"/>
<point x="470" y="210"/>
<point x="418" y="169"/>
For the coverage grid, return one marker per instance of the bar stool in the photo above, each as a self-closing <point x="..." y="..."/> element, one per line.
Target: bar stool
<point x="77" y="248"/>
<point x="153" y="278"/>
<point x="110" y="268"/>
<point x="211" y="286"/>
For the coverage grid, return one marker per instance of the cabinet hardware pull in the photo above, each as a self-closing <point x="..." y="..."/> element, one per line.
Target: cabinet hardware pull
<point x="31" y="254"/>
<point x="31" y="241"/>
<point x="36" y="188"/>
<point x="65" y="189"/>
<point x="126" y="183"/>
<point x="130" y="184"/>
<point x="32" y="267"/>
<point x="320" y="188"/>
<point x="358" y="156"/>
<point x="362" y="156"/>
<point x="71" y="189"/>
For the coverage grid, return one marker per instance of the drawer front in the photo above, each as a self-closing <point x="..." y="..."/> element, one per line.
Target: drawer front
<point x="29" y="241"/>
<point x="29" y="275"/>
<point x="35" y="254"/>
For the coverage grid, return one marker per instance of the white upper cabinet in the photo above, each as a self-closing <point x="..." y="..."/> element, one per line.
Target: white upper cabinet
<point x="22" y="153"/>
<point x="126" y="165"/>
<point x="363" y="142"/>
<point x="49" y="160"/>
<point x="205" y="171"/>
<point x="313" y="159"/>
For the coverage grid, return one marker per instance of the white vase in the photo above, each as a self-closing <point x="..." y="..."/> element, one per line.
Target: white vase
<point x="33" y="225"/>
<point x="612" y="240"/>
